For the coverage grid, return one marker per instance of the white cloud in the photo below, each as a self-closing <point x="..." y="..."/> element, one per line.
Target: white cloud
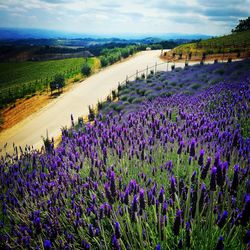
<point x="129" y="16"/>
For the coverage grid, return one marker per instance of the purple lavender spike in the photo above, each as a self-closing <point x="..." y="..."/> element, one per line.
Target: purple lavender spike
<point x="201" y="157"/>
<point x="222" y="220"/>
<point x="220" y="245"/>
<point x="117" y="230"/>
<point x="213" y="179"/>
<point x="112" y="183"/>
<point x="177" y="222"/>
<point x="134" y="204"/>
<point x="205" y="169"/>
<point x="245" y="216"/>
<point x="158" y="246"/>
<point x="115" y="243"/>
<point x="142" y="199"/>
<point x="161" y="195"/>
<point x="192" y="148"/>
<point x="235" y="181"/>
<point x="47" y="245"/>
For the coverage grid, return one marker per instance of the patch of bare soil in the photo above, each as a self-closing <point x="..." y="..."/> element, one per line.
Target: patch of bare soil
<point x="22" y="109"/>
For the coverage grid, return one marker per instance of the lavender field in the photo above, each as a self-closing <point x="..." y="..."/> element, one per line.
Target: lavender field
<point x="163" y="165"/>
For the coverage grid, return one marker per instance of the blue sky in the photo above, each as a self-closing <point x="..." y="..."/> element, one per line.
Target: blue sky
<point x="214" y="17"/>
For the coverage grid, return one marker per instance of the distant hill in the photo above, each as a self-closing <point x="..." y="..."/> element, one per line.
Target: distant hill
<point x="21" y="33"/>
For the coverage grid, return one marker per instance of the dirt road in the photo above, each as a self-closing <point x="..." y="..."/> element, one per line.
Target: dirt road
<point x="57" y="114"/>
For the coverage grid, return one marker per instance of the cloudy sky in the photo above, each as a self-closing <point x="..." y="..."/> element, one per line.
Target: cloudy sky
<point x="214" y="17"/>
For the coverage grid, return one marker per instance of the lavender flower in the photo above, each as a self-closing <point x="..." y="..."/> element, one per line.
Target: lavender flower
<point x="222" y="219"/>
<point x="158" y="246"/>
<point x="115" y="243"/>
<point x="188" y="239"/>
<point x="91" y="230"/>
<point x="220" y="245"/>
<point x="235" y="181"/>
<point x="161" y="195"/>
<point x="112" y="184"/>
<point x="177" y="222"/>
<point x="134" y="204"/>
<point x="173" y="184"/>
<point x="201" y="157"/>
<point x="213" y="179"/>
<point x="180" y="148"/>
<point x="47" y="245"/>
<point x="142" y="199"/>
<point x="245" y="216"/>
<point x="117" y="230"/>
<point x="205" y="169"/>
<point x="192" y="148"/>
<point x="164" y="208"/>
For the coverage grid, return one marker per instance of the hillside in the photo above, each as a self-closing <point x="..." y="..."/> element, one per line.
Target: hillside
<point x="236" y="45"/>
<point x="168" y="171"/>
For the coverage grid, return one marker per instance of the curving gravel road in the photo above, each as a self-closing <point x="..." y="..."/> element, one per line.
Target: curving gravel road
<point x="57" y="113"/>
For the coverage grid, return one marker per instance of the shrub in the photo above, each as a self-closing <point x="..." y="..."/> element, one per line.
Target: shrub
<point x="91" y="115"/>
<point x="195" y="86"/>
<point x="152" y="96"/>
<point x="76" y="79"/>
<point x="159" y="87"/>
<point x="116" y="107"/>
<point x="99" y="105"/>
<point x="80" y="121"/>
<point x="141" y="91"/>
<point x="123" y="98"/>
<point x="114" y="94"/>
<point x="215" y="81"/>
<point x="148" y="92"/>
<point x="109" y="99"/>
<point x="168" y="94"/>
<point x="86" y="69"/>
<point x="138" y="100"/>
<point x="220" y="71"/>
<point x="186" y="92"/>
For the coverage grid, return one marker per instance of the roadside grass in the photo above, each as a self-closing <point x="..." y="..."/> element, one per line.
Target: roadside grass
<point x="233" y="43"/>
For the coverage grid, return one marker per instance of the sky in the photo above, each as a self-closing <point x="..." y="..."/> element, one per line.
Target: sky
<point x="212" y="17"/>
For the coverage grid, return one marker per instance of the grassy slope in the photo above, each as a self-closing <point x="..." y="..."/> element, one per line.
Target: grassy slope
<point x="229" y="43"/>
<point x="26" y="72"/>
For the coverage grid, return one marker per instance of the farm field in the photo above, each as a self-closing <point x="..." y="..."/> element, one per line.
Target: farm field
<point x="165" y="165"/>
<point x="22" y="78"/>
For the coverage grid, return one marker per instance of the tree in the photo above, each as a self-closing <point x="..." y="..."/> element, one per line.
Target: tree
<point x="104" y="61"/>
<point x="86" y="69"/>
<point x="57" y="83"/>
<point x="242" y="26"/>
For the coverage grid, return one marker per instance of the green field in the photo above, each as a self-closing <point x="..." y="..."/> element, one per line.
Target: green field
<point x="22" y="78"/>
<point x="237" y="42"/>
